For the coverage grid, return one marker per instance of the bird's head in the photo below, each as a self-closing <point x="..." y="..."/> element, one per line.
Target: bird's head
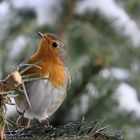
<point x="51" y="47"/>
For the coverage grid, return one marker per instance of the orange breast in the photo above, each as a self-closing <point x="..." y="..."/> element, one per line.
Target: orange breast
<point x="57" y="75"/>
<point x="52" y="69"/>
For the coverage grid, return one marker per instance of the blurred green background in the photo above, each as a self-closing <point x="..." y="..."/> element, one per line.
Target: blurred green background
<point x="103" y="40"/>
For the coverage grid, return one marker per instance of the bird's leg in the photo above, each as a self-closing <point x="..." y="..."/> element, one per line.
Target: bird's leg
<point x="22" y="122"/>
<point x="46" y="122"/>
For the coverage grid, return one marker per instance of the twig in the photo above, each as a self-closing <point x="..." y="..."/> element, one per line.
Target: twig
<point x="26" y="96"/>
<point x="12" y="81"/>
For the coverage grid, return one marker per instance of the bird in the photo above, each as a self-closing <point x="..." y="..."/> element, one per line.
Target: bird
<point x="47" y="94"/>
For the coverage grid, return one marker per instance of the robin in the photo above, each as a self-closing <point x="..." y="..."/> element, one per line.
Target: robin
<point x="47" y="94"/>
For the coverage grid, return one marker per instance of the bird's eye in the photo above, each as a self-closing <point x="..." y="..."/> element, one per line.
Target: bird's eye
<point x="55" y="44"/>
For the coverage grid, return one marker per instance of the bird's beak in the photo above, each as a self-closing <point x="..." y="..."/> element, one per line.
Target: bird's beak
<point x="40" y="35"/>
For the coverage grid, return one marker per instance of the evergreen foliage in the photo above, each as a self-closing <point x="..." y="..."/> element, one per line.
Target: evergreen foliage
<point x="73" y="131"/>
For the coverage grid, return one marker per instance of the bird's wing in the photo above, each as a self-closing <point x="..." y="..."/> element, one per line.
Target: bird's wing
<point x="68" y="79"/>
<point x="25" y="65"/>
<point x="22" y="65"/>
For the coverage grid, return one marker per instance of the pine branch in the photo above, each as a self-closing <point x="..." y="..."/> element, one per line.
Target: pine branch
<point x="92" y="68"/>
<point x="103" y="25"/>
<point x="75" y="130"/>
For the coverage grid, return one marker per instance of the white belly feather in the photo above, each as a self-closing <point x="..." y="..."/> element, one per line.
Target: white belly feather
<point x="45" y="99"/>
